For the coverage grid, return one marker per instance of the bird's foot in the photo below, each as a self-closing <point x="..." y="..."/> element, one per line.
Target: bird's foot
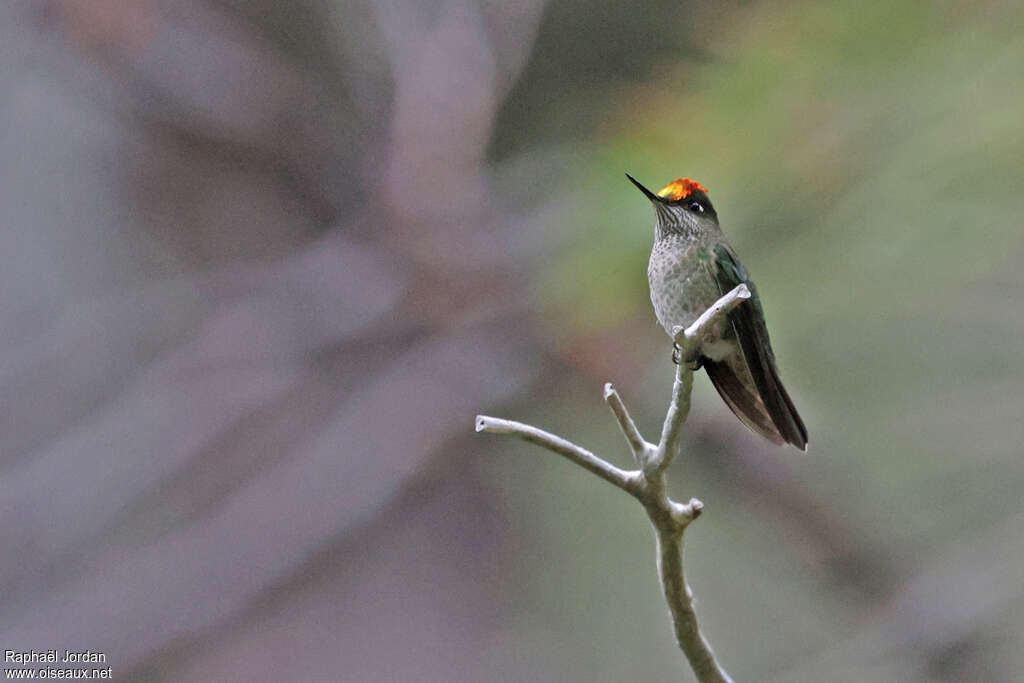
<point x="693" y="363"/>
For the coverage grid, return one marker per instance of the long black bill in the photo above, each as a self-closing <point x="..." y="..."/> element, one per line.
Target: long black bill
<point x="647" y="193"/>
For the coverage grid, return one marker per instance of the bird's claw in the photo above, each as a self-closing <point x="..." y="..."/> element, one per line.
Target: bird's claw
<point x="693" y="363"/>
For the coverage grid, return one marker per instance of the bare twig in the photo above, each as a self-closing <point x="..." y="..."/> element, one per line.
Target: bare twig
<point x="647" y="484"/>
<point x="733" y="298"/>
<point x="642" y="450"/>
<point x="678" y="410"/>
<point x="581" y="456"/>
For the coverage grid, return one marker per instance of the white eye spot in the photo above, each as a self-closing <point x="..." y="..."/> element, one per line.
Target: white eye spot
<point x="695" y="207"/>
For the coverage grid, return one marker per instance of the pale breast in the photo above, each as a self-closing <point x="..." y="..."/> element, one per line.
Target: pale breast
<point x="681" y="287"/>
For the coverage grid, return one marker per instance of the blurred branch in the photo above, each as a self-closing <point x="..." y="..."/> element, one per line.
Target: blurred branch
<point x="647" y="484"/>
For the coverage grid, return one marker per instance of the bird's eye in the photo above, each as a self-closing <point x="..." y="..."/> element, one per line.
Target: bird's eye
<point x="695" y="207"/>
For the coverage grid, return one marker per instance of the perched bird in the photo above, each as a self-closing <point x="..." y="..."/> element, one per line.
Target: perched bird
<point x="691" y="266"/>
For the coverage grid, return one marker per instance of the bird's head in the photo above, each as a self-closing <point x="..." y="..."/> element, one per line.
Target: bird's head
<point x="682" y="206"/>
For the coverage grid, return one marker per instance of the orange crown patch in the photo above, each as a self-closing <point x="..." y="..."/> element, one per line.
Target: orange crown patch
<point x="680" y="188"/>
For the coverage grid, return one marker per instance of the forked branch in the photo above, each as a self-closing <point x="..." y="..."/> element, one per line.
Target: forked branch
<point x="647" y="483"/>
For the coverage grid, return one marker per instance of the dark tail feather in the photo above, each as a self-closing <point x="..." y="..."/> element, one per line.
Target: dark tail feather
<point x="757" y="351"/>
<point x="772" y="398"/>
<point x="753" y="339"/>
<point x="799" y="439"/>
<point x="747" y="406"/>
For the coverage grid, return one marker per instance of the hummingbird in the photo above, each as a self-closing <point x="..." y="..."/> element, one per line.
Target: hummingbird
<point x="692" y="266"/>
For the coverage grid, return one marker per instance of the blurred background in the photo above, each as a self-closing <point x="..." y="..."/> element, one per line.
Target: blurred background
<point x="263" y="262"/>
